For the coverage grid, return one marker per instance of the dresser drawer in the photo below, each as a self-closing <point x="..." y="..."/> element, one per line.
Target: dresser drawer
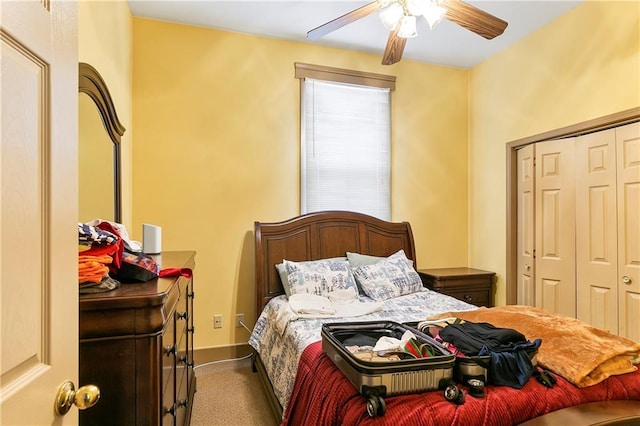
<point x="169" y="351"/>
<point x="168" y="401"/>
<point x="182" y="394"/>
<point x="475" y="297"/>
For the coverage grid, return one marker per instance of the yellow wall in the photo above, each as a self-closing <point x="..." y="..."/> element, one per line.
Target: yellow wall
<point x="584" y="65"/>
<point x="104" y="41"/>
<point x="216" y="148"/>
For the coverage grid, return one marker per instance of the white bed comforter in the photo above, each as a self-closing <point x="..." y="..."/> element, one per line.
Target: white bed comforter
<point x="280" y="337"/>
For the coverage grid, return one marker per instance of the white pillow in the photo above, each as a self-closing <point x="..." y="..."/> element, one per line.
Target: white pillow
<point x="388" y="278"/>
<point x="320" y="277"/>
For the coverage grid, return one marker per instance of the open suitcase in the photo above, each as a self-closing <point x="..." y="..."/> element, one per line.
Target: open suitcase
<point x="377" y="379"/>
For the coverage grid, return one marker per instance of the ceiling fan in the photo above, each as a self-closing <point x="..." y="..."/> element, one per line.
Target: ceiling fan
<point x="399" y="16"/>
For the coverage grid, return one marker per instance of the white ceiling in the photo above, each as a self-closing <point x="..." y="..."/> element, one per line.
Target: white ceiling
<point x="447" y="44"/>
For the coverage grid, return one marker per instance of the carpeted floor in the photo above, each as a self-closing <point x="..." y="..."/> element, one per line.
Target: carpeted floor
<point x="229" y="393"/>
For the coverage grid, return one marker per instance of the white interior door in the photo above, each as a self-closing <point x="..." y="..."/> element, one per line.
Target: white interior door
<point x="596" y="222"/>
<point x="526" y="226"/>
<point x="555" y="227"/>
<point x="38" y="209"/>
<point x="628" y="153"/>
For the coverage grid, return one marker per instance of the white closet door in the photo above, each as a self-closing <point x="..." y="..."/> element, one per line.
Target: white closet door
<point x="555" y="227"/>
<point x="628" y="156"/>
<point x="596" y="222"/>
<point x="526" y="228"/>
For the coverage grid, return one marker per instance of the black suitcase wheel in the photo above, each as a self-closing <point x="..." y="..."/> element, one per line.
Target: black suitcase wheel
<point x="454" y="394"/>
<point x="376" y="406"/>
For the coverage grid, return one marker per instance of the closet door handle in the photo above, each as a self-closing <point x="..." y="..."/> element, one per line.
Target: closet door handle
<point x="626" y="280"/>
<point x="171" y="410"/>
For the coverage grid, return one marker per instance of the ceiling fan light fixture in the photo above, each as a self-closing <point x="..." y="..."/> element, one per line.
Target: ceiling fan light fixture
<point x="433" y="13"/>
<point x="399" y="17"/>
<point x="416" y="7"/>
<point x="391" y="16"/>
<point x="407" y="27"/>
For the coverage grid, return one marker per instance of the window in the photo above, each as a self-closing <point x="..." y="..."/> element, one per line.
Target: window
<point x="346" y="143"/>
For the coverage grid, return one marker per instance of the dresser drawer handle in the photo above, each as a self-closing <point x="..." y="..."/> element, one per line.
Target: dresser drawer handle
<point x="191" y="329"/>
<point x="192" y="295"/>
<point x="183" y="315"/>
<point x="183" y="403"/>
<point x="183" y="359"/>
<point x="170" y="350"/>
<point x="468" y="298"/>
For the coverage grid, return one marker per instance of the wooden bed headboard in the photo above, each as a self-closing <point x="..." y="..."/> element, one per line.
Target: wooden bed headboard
<point x="322" y="235"/>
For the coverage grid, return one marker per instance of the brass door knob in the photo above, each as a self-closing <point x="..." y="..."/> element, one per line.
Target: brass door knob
<point x="67" y="395"/>
<point x="626" y="280"/>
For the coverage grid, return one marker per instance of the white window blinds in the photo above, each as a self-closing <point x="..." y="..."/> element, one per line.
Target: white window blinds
<point x="346" y="141"/>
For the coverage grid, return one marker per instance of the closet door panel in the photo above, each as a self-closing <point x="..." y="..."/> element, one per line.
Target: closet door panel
<point x="526" y="229"/>
<point x="628" y="180"/>
<point x="596" y="221"/>
<point x="555" y="227"/>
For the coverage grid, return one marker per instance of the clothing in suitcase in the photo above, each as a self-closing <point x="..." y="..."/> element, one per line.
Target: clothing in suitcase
<point x="498" y="356"/>
<point x="424" y="365"/>
<point x="470" y="371"/>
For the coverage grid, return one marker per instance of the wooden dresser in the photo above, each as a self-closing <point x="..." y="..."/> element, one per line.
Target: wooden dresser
<point x="474" y="286"/>
<point x="136" y="345"/>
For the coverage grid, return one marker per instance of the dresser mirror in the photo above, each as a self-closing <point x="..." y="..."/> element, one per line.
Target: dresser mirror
<point x="99" y="138"/>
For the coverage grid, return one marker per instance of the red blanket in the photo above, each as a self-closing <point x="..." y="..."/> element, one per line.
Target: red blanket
<point x="322" y="395"/>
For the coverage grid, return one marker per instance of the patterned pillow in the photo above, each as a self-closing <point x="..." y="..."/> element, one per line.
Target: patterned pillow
<point x="388" y="278"/>
<point x="320" y="277"/>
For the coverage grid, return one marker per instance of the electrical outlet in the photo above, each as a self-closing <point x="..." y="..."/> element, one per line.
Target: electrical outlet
<point x="239" y="319"/>
<point x="217" y="321"/>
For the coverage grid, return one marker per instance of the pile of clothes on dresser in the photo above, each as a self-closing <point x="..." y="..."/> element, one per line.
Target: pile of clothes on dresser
<point x="107" y="257"/>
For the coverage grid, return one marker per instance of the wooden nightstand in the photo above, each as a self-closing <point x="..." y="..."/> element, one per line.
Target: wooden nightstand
<point x="471" y="285"/>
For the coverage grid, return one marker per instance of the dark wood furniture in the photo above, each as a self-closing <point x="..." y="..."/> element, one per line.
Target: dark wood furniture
<point x="136" y="345"/>
<point x="474" y="286"/>
<point x="601" y="413"/>
<point x="318" y="236"/>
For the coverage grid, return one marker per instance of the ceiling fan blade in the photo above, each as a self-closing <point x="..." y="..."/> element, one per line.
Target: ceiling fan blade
<point x="343" y="20"/>
<point x="394" y="49"/>
<point x="474" y="19"/>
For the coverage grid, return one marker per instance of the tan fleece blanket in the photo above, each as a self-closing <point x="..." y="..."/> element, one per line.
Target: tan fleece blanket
<point x="582" y="354"/>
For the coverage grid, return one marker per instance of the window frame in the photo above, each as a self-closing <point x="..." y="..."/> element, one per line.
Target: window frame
<point x="349" y="77"/>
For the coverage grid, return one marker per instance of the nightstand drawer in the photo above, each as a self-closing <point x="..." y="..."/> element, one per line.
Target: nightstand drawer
<point x="475" y="297"/>
<point x="473" y="286"/>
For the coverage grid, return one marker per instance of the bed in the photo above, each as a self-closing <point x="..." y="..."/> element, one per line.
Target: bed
<point x="305" y="387"/>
